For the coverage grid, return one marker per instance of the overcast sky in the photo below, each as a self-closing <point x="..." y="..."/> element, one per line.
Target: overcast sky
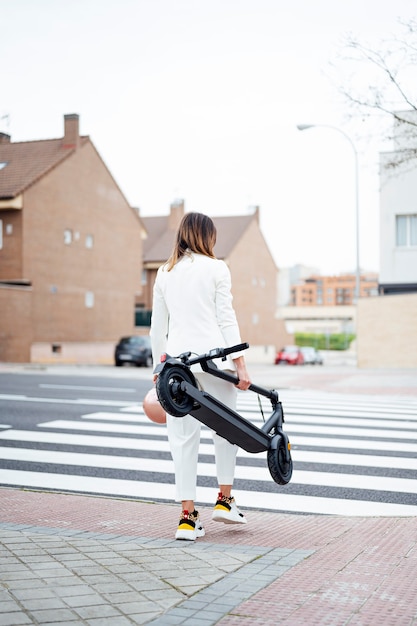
<point x="199" y="99"/>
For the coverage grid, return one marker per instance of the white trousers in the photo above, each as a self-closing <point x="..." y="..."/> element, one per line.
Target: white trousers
<point x="184" y="441"/>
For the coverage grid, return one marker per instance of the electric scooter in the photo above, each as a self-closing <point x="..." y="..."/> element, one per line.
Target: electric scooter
<point x="179" y="394"/>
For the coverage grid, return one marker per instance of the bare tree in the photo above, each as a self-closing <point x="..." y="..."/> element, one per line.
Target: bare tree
<point x="382" y="85"/>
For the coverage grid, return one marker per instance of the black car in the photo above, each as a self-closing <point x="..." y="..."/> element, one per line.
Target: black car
<point x="135" y="350"/>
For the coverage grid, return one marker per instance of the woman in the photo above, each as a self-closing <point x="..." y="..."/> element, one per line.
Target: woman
<point x="192" y="310"/>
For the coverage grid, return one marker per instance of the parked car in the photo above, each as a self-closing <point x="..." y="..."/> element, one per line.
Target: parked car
<point x="135" y="350"/>
<point x="311" y="356"/>
<point x="291" y="355"/>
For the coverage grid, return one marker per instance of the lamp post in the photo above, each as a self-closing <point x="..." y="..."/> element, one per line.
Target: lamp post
<point x="357" y="271"/>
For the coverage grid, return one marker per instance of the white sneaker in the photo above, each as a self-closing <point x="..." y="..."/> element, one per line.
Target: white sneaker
<point x="190" y="527"/>
<point x="226" y="511"/>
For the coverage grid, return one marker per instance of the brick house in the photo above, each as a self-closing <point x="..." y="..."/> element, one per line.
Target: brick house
<point x="70" y="251"/>
<point x="241" y="245"/>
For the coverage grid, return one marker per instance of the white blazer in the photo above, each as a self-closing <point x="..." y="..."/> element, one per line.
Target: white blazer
<point x="193" y="310"/>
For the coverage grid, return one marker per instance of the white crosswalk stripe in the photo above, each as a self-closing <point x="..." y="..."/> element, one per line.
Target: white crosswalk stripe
<point x="352" y="456"/>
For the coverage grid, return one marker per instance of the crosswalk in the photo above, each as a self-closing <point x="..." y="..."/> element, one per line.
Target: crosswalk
<point x="352" y="455"/>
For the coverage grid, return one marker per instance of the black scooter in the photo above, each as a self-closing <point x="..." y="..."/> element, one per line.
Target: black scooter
<point x="179" y="395"/>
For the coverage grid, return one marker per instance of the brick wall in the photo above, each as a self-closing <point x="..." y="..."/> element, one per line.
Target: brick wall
<point x="80" y="196"/>
<point x="254" y="286"/>
<point x="74" y="353"/>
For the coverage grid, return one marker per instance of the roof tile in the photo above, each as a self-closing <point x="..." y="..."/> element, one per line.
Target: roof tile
<point x="27" y="161"/>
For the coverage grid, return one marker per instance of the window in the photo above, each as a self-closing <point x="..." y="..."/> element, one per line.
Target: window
<point x="89" y="299"/>
<point x="89" y="241"/>
<point x="142" y="317"/>
<point x="413" y="230"/>
<point x="3" y="164"/>
<point x="67" y="236"/>
<point x="406" y="230"/>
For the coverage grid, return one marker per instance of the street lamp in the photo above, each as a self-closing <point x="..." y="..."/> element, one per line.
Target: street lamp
<point x="357" y="272"/>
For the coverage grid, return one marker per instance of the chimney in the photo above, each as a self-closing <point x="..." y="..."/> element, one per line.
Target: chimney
<point x="176" y="214"/>
<point x="4" y="138"/>
<point x="71" y="131"/>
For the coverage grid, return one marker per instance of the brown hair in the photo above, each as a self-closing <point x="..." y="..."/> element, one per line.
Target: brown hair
<point x="196" y="233"/>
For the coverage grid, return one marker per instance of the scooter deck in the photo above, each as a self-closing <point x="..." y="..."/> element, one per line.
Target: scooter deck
<point x="226" y="422"/>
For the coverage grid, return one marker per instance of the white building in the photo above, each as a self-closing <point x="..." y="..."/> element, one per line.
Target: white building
<point x="398" y="212"/>
<point x="387" y="326"/>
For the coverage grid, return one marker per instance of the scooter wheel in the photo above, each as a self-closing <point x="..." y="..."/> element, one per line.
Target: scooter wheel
<point x="279" y="466"/>
<point x="168" y="388"/>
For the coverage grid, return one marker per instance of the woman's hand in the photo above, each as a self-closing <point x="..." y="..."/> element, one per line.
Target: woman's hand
<point x="242" y="373"/>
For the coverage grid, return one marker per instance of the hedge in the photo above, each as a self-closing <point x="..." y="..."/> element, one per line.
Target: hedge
<point x="323" y="341"/>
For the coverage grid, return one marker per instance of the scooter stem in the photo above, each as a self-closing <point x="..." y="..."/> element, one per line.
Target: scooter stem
<point x="211" y="368"/>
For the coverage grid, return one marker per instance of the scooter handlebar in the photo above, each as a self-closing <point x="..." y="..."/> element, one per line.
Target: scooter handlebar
<point x="216" y="353"/>
<point x="238" y="348"/>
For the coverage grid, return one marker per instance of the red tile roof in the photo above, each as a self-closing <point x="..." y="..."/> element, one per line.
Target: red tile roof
<point x="160" y="241"/>
<point x="230" y="230"/>
<point x="28" y="161"/>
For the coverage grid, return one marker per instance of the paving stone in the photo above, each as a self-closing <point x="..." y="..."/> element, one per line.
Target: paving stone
<point x="14" y="619"/>
<point x="53" y="615"/>
<point x="93" y="611"/>
<point x="143" y="618"/>
<point x="147" y="585"/>
<point x="53" y="573"/>
<point x="118" y="598"/>
<point x="35" y="604"/>
<point x="77" y="589"/>
<point x="9" y="606"/>
<point x="109" y="621"/>
<point x="92" y="599"/>
<point x="20" y="575"/>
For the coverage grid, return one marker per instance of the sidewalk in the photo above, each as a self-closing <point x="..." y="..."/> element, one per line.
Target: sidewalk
<point x="70" y="559"/>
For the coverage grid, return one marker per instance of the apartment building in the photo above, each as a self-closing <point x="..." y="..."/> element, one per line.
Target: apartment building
<point x="332" y="290"/>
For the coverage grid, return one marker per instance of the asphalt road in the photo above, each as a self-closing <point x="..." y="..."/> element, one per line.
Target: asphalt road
<point x="81" y="403"/>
